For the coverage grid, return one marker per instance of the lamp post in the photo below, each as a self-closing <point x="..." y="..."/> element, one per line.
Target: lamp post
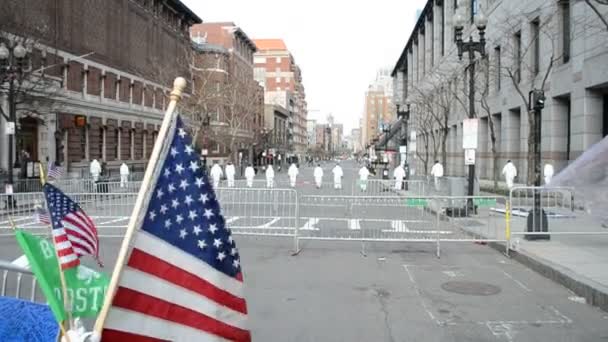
<point x="471" y="47"/>
<point x="404" y="117"/>
<point x="537" y="218"/>
<point x="12" y="66"/>
<point x="206" y="123"/>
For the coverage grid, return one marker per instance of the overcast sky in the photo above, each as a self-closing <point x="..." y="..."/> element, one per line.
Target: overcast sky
<point x="338" y="44"/>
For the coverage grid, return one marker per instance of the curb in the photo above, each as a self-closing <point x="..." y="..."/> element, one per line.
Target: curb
<point x="594" y="293"/>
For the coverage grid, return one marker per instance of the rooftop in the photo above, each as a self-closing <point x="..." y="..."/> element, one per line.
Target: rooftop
<point x="270" y="44"/>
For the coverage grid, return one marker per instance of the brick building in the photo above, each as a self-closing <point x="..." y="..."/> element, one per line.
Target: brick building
<point x="277" y="71"/>
<point x="226" y="92"/>
<point x="378" y="111"/>
<point x="111" y="62"/>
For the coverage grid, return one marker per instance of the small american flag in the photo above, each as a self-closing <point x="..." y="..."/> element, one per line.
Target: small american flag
<point x="183" y="280"/>
<point x="74" y="232"/>
<point x="41" y="215"/>
<point x="54" y="171"/>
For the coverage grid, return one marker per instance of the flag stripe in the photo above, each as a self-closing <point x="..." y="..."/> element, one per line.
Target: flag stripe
<point x="175" y="256"/>
<point x="140" y="326"/>
<point x="62" y="245"/>
<point x="69" y="264"/>
<point x="151" y="306"/>
<point x="70" y="222"/>
<point x="160" y="268"/>
<point x="89" y="222"/>
<point x="75" y="236"/>
<point x="76" y="245"/>
<point x="175" y="295"/>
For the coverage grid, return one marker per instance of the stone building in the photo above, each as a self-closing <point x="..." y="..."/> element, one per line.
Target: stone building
<point x="527" y="42"/>
<point x="111" y="64"/>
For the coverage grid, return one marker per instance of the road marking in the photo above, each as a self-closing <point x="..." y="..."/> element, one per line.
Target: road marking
<point x="114" y="220"/>
<point x="310" y="225"/>
<point x="452" y="274"/>
<point x="232" y="219"/>
<point x="353" y="224"/>
<point x="499" y="329"/>
<point x="519" y="283"/>
<point x="270" y="223"/>
<point x="565" y="319"/>
<point x="16" y="220"/>
<point x="409" y="274"/>
<point x="577" y="299"/>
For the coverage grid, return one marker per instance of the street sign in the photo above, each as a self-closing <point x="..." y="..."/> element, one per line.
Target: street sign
<point x="403" y="149"/>
<point x="469" y="157"/>
<point x="415" y="202"/>
<point x="485" y="202"/>
<point x="10" y="128"/>
<point x="205" y="152"/>
<point x="8" y="189"/>
<point x="469" y="133"/>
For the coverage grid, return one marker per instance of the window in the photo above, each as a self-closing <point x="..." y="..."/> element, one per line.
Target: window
<point x="278" y="60"/>
<point x="565" y="14"/>
<point x="517" y="56"/>
<point x="535" y="37"/>
<point x="442" y="29"/>
<point x="498" y="67"/>
<point x="259" y="60"/>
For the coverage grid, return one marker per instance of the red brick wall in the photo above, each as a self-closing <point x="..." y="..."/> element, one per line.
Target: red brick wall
<point x="149" y="140"/>
<point x="110" y="86"/>
<point x="125" y="85"/>
<point x="75" y="76"/>
<point x="111" y="139"/>
<point x="148" y="93"/>
<point x="137" y="92"/>
<point x="139" y="141"/>
<point x="94" y="81"/>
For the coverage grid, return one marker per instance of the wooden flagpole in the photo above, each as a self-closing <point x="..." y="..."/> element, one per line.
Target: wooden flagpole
<point x="178" y="87"/>
<point x="64" y="287"/>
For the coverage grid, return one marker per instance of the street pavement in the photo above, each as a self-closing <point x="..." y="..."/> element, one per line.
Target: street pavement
<point x="390" y="291"/>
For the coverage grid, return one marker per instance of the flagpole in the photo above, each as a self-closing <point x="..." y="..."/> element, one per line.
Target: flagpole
<point x="178" y="87"/>
<point x="64" y="288"/>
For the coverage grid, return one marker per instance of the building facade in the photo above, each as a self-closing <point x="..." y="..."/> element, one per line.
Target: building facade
<point x="225" y="96"/>
<point x="378" y="111"/>
<point x="311" y="134"/>
<point x="556" y="46"/>
<point x="277" y="71"/>
<point x="106" y="68"/>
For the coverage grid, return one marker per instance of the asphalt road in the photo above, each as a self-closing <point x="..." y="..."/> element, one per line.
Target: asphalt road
<point x="331" y="291"/>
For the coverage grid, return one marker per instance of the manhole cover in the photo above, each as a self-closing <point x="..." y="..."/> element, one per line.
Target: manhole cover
<point x="471" y="288"/>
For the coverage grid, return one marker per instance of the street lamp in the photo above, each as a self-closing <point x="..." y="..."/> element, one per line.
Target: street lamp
<point x="537" y="219"/>
<point x="206" y="123"/>
<point x="404" y="117"/>
<point x="12" y="62"/>
<point x="481" y="21"/>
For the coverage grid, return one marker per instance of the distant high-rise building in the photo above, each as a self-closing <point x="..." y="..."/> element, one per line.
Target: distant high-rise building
<point x="378" y="106"/>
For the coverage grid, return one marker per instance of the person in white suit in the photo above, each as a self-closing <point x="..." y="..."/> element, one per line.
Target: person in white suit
<point x="548" y="172"/>
<point x="363" y="175"/>
<point x="318" y="175"/>
<point x="338" y="174"/>
<point x="95" y="170"/>
<point x="293" y="174"/>
<point x="124" y="175"/>
<point x="249" y="174"/>
<point x="510" y="172"/>
<point x="437" y="173"/>
<point x="269" y="177"/>
<point x="399" y="175"/>
<point x="216" y="174"/>
<point x="230" y="172"/>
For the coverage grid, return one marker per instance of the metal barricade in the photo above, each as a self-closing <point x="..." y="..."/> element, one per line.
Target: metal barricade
<point x="384" y="187"/>
<point x="19" y="282"/>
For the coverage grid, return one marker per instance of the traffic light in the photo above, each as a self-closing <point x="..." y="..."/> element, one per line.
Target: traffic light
<point x="537" y="99"/>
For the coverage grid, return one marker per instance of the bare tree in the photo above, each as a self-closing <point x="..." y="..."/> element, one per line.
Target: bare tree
<point x="593" y="5"/>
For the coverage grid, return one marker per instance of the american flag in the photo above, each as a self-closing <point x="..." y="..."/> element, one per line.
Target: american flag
<point x="54" y="171"/>
<point x="183" y="280"/>
<point x="74" y="232"/>
<point x="41" y="215"/>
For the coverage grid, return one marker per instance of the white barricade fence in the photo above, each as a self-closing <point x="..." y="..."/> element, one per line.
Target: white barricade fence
<point x="18" y="282"/>
<point x="386" y="187"/>
<point x="545" y="213"/>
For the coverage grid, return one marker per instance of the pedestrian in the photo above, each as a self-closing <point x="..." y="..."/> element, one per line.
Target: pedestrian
<point x="318" y="175"/>
<point x="95" y="170"/>
<point x="124" y="175"/>
<point x="230" y="171"/>
<point x="293" y="174"/>
<point x="216" y="174"/>
<point x="269" y="177"/>
<point x="548" y="172"/>
<point x="510" y="172"/>
<point x="363" y="175"/>
<point x="249" y="174"/>
<point x="399" y="175"/>
<point x="338" y="173"/>
<point x="437" y="173"/>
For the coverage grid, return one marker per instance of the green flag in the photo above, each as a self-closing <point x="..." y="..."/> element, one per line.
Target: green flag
<point x="85" y="287"/>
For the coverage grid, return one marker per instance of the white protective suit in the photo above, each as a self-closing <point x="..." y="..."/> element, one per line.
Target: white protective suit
<point x="230" y="171"/>
<point x="318" y="175"/>
<point x="124" y="175"/>
<point x="510" y="172"/>
<point x="293" y="174"/>
<point x="399" y="175"/>
<point x="363" y="175"/>
<point x="437" y="173"/>
<point x="95" y="170"/>
<point x="548" y="172"/>
<point x="338" y="174"/>
<point x="216" y="174"/>
<point x="269" y="177"/>
<point x="249" y="174"/>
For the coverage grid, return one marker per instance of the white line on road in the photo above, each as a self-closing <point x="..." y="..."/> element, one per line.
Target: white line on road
<point x="399" y="226"/>
<point x="353" y="224"/>
<point x="310" y="225"/>
<point x="15" y="220"/>
<point x="409" y="274"/>
<point x="270" y="223"/>
<point x="114" y="220"/>
<point x="517" y="282"/>
<point x="232" y="219"/>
